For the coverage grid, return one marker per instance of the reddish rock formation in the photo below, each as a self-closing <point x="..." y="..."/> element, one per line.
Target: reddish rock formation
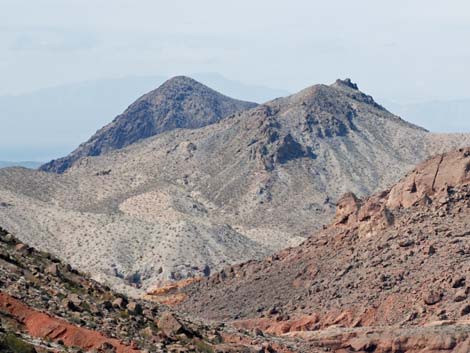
<point x="41" y="325"/>
<point x="169" y="294"/>
<point x="432" y="179"/>
<point x="389" y="275"/>
<point x="46" y="306"/>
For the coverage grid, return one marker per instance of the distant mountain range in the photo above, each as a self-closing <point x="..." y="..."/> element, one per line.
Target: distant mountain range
<point x="26" y="164"/>
<point x="177" y="203"/>
<point x="436" y="116"/>
<point x="59" y="118"/>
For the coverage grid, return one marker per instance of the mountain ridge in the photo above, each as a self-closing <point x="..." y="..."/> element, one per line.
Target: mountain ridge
<point x="188" y="202"/>
<point x="179" y="102"/>
<point x="404" y="214"/>
<point x="360" y="284"/>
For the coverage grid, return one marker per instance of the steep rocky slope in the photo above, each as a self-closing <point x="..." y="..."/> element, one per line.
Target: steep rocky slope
<point x="390" y="274"/>
<point x="47" y="306"/>
<point x="180" y="102"/>
<point x="188" y="202"/>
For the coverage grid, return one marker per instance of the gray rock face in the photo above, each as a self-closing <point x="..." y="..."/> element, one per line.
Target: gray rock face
<point x="180" y="102"/>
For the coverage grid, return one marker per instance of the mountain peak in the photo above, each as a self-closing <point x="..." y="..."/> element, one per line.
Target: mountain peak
<point x="180" y="102"/>
<point x="346" y="83"/>
<point x="181" y="81"/>
<point x="180" y="88"/>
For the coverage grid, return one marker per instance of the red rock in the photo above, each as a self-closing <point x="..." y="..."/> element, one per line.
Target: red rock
<point x="460" y="296"/>
<point x="44" y="326"/>
<point x="432" y="179"/>
<point x="432" y="297"/>
<point x="169" y="324"/>
<point x="362" y="344"/>
<point x="346" y="209"/>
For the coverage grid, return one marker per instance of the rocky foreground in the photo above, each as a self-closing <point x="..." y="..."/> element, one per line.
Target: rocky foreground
<point x="47" y="306"/>
<point x="390" y="274"/>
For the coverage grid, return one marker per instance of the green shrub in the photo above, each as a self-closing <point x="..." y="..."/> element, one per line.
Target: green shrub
<point x="14" y="344"/>
<point x="203" y="347"/>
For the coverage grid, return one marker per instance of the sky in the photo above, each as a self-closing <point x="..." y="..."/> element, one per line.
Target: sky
<point x="401" y="51"/>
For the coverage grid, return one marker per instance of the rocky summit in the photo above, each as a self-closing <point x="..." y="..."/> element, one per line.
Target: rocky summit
<point x="389" y="274"/>
<point x="180" y="102"/>
<point x="188" y="202"/>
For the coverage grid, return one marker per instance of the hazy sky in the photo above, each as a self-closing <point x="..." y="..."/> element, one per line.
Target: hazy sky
<point x="401" y="50"/>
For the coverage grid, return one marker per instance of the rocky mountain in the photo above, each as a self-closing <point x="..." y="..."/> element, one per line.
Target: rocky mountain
<point x="48" y="306"/>
<point x="390" y="274"/>
<point x="66" y="115"/>
<point x="188" y="202"/>
<point x="180" y="102"/>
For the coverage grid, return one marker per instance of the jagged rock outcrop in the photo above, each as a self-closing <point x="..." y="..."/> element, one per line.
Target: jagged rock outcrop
<point x="180" y="102"/>
<point x="392" y="267"/>
<point x="432" y="180"/>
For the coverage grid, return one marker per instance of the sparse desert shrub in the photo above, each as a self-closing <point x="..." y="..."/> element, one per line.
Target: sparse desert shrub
<point x="12" y="343"/>
<point x="203" y="347"/>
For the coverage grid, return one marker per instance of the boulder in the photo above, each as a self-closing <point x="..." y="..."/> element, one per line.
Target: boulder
<point x="69" y="305"/>
<point x="460" y="296"/>
<point x="23" y="248"/>
<point x="432" y="297"/>
<point x="120" y="303"/>
<point x="465" y="310"/>
<point x="75" y="299"/>
<point x="347" y="209"/>
<point x="134" y="308"/>
<point x="458" y="282"/>
<point x="53" y="269"/>
<point x="170" y="325"/>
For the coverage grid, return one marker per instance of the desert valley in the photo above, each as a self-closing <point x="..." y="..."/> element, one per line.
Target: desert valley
<point x="183" y="205"/>
<point x="234" y="177"/>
